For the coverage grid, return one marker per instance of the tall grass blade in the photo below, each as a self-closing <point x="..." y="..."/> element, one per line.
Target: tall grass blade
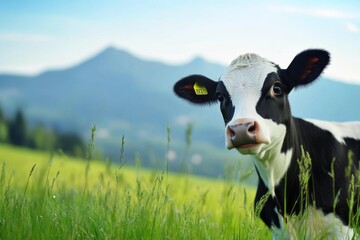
<point x="28" y="179"/>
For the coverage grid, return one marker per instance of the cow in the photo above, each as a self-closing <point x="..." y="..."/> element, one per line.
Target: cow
<point x="253" y="97"/>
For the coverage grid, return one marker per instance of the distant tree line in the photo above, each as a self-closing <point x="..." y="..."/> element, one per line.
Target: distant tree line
<point x="16" y="131"/>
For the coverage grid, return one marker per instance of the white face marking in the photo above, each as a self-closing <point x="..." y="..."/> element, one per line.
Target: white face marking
<point x="339" y="130"/>
<point x="244" y="79"/>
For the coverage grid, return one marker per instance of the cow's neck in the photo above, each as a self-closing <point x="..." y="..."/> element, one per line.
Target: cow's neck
<point x="294" y="140"/>
<point x="273" y="162"/>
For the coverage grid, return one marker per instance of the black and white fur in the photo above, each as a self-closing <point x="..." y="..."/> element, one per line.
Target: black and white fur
<point x="253" y="96"/>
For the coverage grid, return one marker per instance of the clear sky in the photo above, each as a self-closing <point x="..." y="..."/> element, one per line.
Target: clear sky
<point x="40" y="34"/>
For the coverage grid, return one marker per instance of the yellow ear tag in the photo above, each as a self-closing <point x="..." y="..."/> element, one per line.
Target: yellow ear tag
<point x="200" y="90"/>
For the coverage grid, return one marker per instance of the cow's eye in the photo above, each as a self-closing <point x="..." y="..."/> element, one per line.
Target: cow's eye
<point x="220" y="97"/>
<point x="276" y="89"/>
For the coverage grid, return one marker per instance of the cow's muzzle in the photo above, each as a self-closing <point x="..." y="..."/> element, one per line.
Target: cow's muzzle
<point x="244" y="133"/>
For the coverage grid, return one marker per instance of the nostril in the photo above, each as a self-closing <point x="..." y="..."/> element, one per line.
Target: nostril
<point x="230" y="132"/>
<point x="252" y="127"/>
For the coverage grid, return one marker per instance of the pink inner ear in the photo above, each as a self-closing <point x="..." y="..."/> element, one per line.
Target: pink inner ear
<point x="313" y="60"/>
<point x="309" y="67"/>
<point x="189" y="87"/>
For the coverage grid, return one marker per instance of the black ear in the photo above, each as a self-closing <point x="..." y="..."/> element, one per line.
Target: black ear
<point x="307" y="66"/>
<point x="196" y="89"/>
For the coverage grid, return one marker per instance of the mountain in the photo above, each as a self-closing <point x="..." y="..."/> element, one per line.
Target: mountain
<point x="123" y="94"/>
<point x="112" y="85"/>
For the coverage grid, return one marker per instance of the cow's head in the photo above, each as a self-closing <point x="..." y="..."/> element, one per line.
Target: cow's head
<point x="253" y="96"/>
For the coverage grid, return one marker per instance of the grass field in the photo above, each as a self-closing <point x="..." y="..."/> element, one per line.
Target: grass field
<point x="57" y="197"/>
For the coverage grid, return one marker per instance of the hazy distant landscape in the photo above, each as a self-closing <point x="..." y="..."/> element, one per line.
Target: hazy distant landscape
<point x="123" y="94"/>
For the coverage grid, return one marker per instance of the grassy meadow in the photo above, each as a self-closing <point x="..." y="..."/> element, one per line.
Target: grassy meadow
<point x="45" y="196"/>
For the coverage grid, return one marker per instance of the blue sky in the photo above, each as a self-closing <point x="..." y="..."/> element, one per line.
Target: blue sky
<point x="37" y="35"/>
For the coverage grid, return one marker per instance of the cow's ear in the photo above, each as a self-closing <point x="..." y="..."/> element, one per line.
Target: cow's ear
<point x="196" y="89"/>
<point x="306" y="67"/>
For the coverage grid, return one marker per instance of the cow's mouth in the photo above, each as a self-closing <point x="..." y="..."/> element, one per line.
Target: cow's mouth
<point x="247" y="146"/>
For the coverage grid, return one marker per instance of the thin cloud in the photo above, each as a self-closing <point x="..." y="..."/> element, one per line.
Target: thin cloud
<point x="352" y="28"/>
<point x="25" y="37"/>
<point x="316" y="12"/>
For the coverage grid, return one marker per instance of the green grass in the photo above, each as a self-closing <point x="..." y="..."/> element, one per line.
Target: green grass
<point x="44" y="196"/>
<point x="57" y="197"/>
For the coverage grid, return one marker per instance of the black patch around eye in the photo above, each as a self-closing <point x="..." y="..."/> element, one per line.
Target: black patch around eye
<point x="220" y="97"/>
<point x="270" y="80"/>
<point x="226" y="105"/>
<point x="276" y="89"/>
<point x="273" y="103"/>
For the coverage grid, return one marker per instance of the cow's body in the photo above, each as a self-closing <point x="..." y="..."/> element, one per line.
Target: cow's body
<point x="253" y="100"/>
<point x="323" y="142"/>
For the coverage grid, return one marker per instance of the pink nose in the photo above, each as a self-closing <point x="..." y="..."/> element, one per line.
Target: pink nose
<point x="243" y="132"/>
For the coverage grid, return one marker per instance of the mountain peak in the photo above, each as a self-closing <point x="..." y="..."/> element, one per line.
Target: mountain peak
<point x="197" y="60"/>
<point x="109" y="49"/>
<point x="113" y="51"/>
<point x="108" y="59"/>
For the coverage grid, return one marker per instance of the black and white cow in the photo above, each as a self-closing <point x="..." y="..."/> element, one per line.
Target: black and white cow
<point x="253" y="97"/>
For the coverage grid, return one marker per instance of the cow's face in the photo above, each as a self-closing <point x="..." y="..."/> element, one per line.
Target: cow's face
<point x="253" y="97"/>
<point x="254" y="104"/>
